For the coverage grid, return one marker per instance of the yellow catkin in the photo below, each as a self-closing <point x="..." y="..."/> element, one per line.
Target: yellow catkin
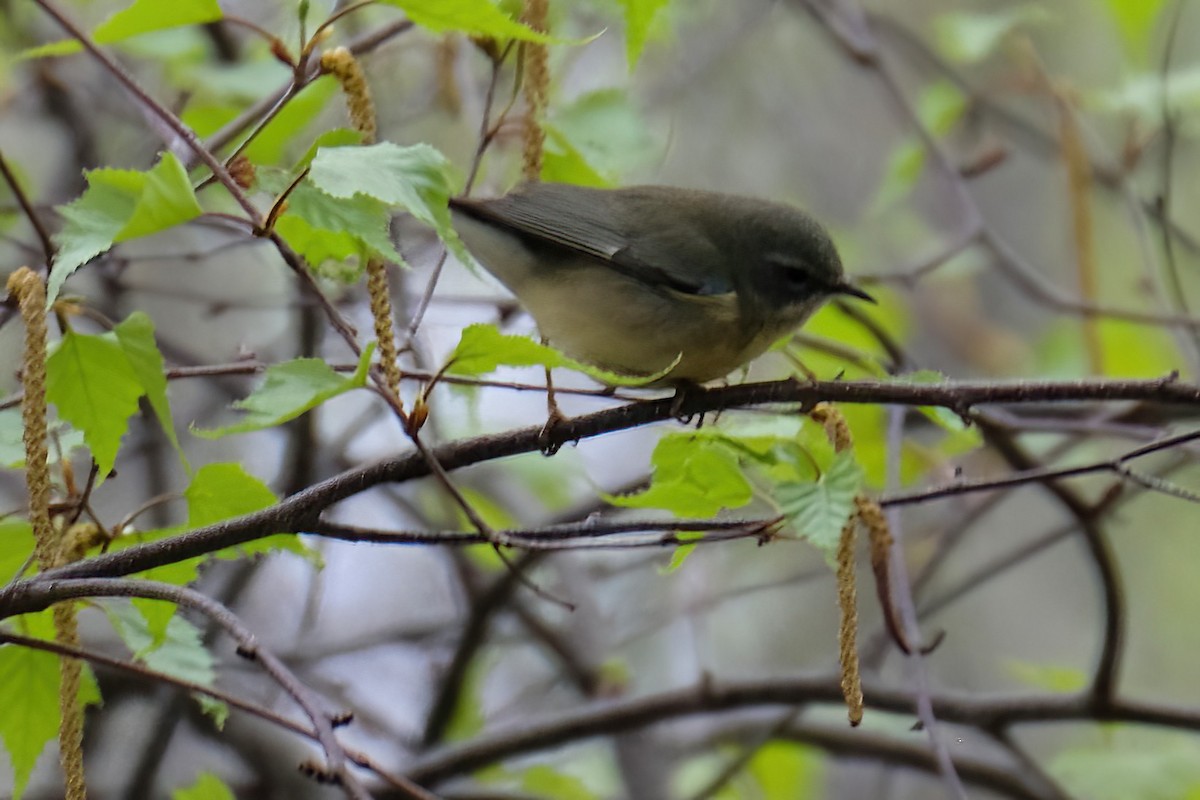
<point x="836" y="428"/>
<point x="342" y="64"/>
<point x="27" y="287"/>
<point x="838" y="433"/>
<point x="848" y="624"/>
<point x="448" y="95"/>
<point x="879" y="535"/>
<point x="537" y="86"/>
<point x="381" y="313"/>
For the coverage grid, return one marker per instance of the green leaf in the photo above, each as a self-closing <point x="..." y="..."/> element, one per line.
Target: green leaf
<point x="91" y="382"/>
<point x="682" y="551"/>
<point x="119" y="205"/>
<point x="291" y="121"/>
<point x="694" y="476"/>
<point x="786" y="771"/>
<point x="223" y="491"/>
<point x="16" y="546"/>
<point x="62" y="47"/>
<point x="29" y="696"/>
<point x="482" y="348"/>
<point x="142" y="16"/>
<point x="939" y="106"/>
<point x="817" y="510"/>
<point x="289" y="390"/>
<point x="166" y="642"/>
<point x="968" y="37"/>
<point x="1135" y="20"/>
<point x="165" y="199"/>
<point x="900" y="174"/>
<point x="1155" y="767"/>
<point x="322" y="227"/>
<point x="467" y="718"/>
<point x="417" y="179"/>
<point x="545" y="781"/>
<point x="639" y="17"/>
<point x="178" y="650"/>
<point x="563" y="162"/>
<point x="475" y="17"/>
<point x="594" y="139"/>
<point x="944" y="418"/>
<point x="207" y="787"/>
<point x="135" y="334"/>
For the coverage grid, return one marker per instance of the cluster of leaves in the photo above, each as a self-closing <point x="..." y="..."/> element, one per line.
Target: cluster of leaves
<point x="337" y="215"/>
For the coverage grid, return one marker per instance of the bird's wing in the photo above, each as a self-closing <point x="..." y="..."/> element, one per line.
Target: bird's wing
<point x="592" y="225"/>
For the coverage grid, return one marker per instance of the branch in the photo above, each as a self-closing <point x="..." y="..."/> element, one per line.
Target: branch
<point x="301" y="510"/>
<point x="988" y="712"/>
<point x="33" y="596"/>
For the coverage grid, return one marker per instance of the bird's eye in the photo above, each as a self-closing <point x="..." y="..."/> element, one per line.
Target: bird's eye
<point x="798" y="280"/>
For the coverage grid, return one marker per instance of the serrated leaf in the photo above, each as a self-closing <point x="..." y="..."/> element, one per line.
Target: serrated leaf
<point x="289" y="390"/>
<point x="417" y="178"/>
<point x="91" y="382"/>
<point x="166" y="199"/>
<point x="968" y="37"/>
<point x="476" y="17"/>
<point x="135" y="334"/>
<point x="29" y="681"/>
<point x="639" y="17"/>
<point x="119" y="205"/>
<point x="206" y="787"/>
<point x="29" y="696"/>
<point x="177" y="651"/>
<point x="818" y="510"/>
<point x="222" y="491"/>
<point x="482" y="348"/>
<point x="322" y="227"/>
<point x="694" y="476"/>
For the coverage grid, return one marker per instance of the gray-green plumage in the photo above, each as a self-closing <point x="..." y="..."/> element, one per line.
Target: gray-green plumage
<point x="629" y="279"/>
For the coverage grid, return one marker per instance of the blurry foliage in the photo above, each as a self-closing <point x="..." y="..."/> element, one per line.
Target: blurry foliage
<point x="339" y="213"/>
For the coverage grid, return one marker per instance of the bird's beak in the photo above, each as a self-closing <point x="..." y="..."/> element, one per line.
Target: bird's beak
<point x="845" y="287"/>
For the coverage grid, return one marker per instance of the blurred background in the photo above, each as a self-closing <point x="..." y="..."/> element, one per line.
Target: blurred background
<point x="997" y="174"/>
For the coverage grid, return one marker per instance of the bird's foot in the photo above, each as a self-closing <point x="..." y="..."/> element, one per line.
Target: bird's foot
<point x="684" y="401"/>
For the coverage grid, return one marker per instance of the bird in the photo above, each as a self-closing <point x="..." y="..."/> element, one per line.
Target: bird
<point x="643" y="280"/>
